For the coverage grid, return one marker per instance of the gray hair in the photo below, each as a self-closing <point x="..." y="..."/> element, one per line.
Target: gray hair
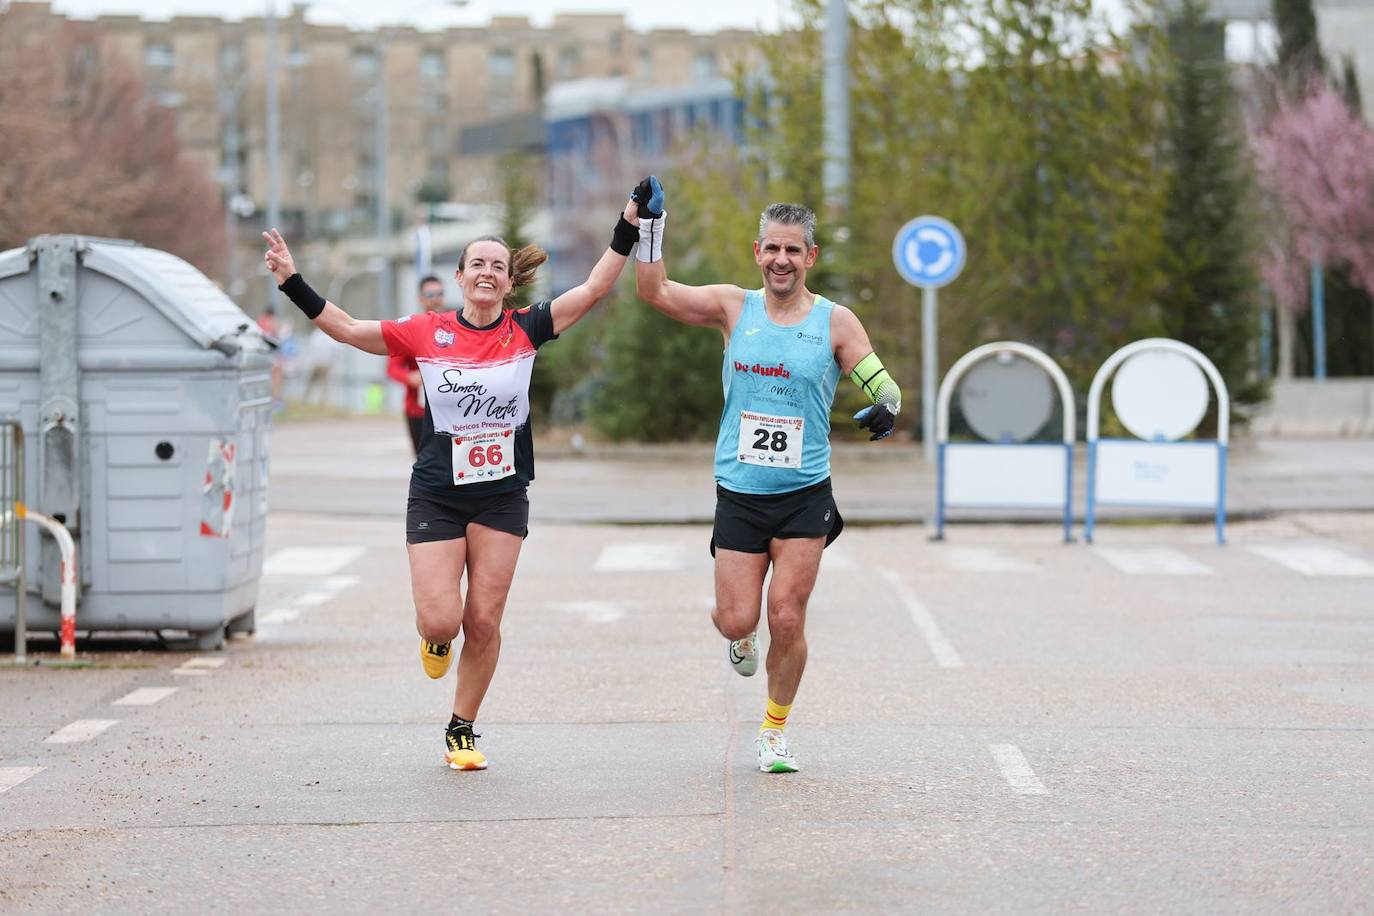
<point x="790" y="215"/>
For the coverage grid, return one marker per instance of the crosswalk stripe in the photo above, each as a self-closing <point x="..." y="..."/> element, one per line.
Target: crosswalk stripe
<point x="13" y="776"/>
<point x="1152" y="561"/>
<point x="986" y="559"/>
<point x="80" y="730"/>
<point x="145" y="696"/>
<point x="310" y="561"/>
<point x="632" y="557"/>
<point x="1315" y="560"/>
<point x="594" y="611"/>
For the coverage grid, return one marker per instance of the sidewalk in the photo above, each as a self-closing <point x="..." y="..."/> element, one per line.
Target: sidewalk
<point x="362" y="466"/>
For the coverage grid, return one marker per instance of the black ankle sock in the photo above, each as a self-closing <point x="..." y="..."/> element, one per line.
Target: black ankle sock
<point x="457" y="721"/>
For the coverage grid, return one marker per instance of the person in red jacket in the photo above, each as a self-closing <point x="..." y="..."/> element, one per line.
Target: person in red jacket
<point x="406" y="370"/>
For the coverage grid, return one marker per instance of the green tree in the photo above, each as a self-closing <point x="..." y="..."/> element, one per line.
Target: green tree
<point x="1208" y="293"/>
<point x="659" y="380"/>
<point x="1026" y="122"/>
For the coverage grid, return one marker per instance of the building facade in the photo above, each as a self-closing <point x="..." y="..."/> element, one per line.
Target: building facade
<point x="335" y="85"/>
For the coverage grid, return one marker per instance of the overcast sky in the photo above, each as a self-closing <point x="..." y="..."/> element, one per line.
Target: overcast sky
<point x="698" y="15"/>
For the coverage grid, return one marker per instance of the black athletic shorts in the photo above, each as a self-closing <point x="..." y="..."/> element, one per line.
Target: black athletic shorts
<point x="430" y="517"/>
<point x="747" y="521"/>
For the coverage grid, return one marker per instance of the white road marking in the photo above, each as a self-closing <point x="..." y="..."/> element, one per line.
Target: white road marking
<point x="1152" y="561"/>
<point x="640" y="558"/>
<point x="145" y="696"/>
<point x="13" y="776"/>
<point x="199" y="667"/>
<point x="1315" y="560"/>
<point x="310" y="561"/>
<point x="339" y="583"/>
<point x="837" y="560"/>
<point x="940" y="648"/>
<point x="80" y="730"/>
<point x="985" y="559"/>
<point x="594" y="611"/>
<point x="280" y="616"/>
<point x="311" y="599"/>
<point x="1015" y="770"/>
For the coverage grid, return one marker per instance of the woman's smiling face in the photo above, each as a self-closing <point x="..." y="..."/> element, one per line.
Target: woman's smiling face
<point x="484" y="274"/>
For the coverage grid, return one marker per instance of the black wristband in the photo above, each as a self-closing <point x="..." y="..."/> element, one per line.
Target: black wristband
<point x="306" y="299"/>
<point x="624" y="238"/>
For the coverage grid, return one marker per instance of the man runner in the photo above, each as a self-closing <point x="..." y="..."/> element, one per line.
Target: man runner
<point x="785" y="348"/>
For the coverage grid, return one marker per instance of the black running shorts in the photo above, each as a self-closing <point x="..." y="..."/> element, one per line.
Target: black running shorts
<point x="430" y="517"/>
<point x="747" y="522"/>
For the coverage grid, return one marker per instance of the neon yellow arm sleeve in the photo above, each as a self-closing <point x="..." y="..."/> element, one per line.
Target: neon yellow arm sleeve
<point x="870" y="375"/>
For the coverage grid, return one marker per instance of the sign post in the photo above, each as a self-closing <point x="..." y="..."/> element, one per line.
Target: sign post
<point x="929" y="253"/>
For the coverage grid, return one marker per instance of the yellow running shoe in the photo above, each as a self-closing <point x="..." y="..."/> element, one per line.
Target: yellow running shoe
<point x="436" y="657"/>
<point x="462" y="753"/>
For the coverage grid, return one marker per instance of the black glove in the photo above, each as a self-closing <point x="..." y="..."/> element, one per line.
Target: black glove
<point x="649" y="195"/>
<point x="879" y="419"/>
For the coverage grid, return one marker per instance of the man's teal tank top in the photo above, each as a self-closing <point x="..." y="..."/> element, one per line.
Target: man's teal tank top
<point x="779" y="384"/>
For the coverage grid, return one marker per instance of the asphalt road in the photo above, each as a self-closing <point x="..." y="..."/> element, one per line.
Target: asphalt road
<point x="999" y="722"/>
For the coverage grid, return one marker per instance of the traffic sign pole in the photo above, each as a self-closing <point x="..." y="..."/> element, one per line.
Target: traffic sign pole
<point x="930" y="305"/>
<point x="928" y="252"/>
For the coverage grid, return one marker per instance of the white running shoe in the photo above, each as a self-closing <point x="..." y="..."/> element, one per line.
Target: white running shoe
<point x="774" y="757"/>
<point x="744" y="654"/>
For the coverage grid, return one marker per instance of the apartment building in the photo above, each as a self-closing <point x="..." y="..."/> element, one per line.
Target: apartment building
<point x="435" y="84"/>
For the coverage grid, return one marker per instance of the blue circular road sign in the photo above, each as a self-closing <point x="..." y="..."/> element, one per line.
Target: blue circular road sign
<point x="929" y="252"/>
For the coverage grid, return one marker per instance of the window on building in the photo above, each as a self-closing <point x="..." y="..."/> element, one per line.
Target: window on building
<point x="363" y="63"/>
<point x="500" y="81"/>
<point x="646" y="64"/>
<point x="704" y="66"/>
<point x="158" y="55"/>
<point x="433" y="65"/>
<point x="436" y="139"/>
<point x="615" y="42"/>
<point x="435" y="103"/>
<point x="569" y="58"/>
<point x="500" y="67"/>
<point x="230" y="58"/>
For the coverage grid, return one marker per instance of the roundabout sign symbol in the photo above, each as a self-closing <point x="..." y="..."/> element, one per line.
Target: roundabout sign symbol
<point x="929" y="252"/>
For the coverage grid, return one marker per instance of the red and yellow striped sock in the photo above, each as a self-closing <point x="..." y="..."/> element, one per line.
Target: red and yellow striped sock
<point x="775" y="716"/>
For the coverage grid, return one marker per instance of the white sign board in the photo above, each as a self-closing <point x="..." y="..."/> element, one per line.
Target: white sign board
<point x="1005" y="476"/>
<point x="1159" y="395"/>
<point x="1183" y="474"/>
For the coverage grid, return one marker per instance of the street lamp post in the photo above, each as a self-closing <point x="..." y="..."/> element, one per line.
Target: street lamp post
<point x="273" y="130"/>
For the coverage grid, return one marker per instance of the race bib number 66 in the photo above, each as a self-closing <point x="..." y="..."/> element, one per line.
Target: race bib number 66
<point x="771" y="442"/>
<point x="483" y="456"/>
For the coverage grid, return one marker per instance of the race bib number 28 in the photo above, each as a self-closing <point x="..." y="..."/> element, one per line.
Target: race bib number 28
<point x="483" y="456"/>
<point x="772" y="442"/>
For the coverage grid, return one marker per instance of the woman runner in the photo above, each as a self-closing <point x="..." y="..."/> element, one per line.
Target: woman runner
<point x="467" y="508"/>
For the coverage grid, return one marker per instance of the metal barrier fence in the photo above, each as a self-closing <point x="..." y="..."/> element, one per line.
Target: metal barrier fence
<point x="12" y="527"/>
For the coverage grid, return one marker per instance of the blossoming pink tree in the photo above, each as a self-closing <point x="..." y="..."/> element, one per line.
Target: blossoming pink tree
<point x="1316" y="158"/>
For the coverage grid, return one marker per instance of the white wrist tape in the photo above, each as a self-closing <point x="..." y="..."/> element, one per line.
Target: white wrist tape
<point x="650" y="247"/>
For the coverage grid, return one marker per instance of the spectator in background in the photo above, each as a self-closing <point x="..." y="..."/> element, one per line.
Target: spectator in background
<point x="406" y="370"/>
<point x="321" y="353"/>
<point x="271" y="327"/>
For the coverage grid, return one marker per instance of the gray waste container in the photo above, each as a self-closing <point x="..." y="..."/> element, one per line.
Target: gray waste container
<point x="145" y="396"/>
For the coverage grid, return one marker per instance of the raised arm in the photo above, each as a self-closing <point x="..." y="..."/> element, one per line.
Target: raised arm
<point x="328" y="317"/>
<point x="716" y="306"/>
<point x="569" y="308"/>
<point x="856" y="357"/>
